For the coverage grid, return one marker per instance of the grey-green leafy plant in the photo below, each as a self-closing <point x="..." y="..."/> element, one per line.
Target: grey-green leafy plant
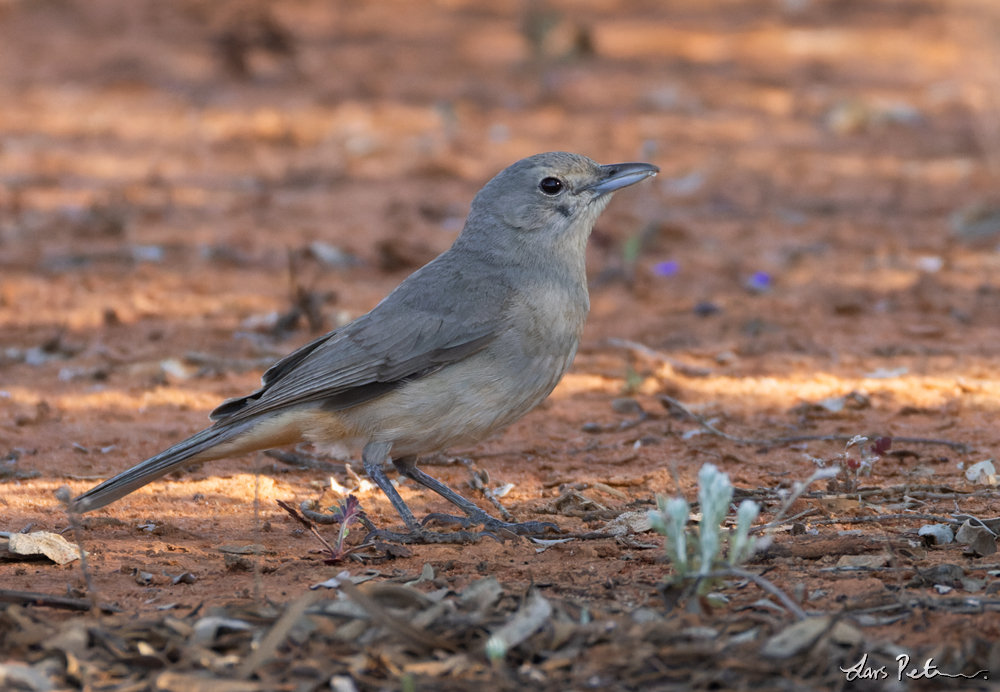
<point x="696" y="552"/>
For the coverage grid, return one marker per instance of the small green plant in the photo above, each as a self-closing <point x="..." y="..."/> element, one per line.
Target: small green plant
<point x="697" y="553"/>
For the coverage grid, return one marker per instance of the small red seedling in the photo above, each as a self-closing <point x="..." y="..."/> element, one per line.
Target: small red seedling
<point x="348" y="511"/>
<point x="854" y="466"/>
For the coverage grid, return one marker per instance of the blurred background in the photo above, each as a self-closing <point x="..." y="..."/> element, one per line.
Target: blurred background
<point x="204" y="136"/>
<point x="183" y="176"/>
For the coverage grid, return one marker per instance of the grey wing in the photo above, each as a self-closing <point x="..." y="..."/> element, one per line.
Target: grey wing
<point x="368" y="358"/>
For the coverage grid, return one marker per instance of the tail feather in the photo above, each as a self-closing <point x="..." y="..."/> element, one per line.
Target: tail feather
<point x="194" y="448"/>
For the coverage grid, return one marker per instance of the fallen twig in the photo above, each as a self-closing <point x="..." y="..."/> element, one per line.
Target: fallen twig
<point x="34" y="598"/>
<point x="903" y="489"/>
<point x="763" y="583"/>
<point x="682" y="368"/>
<point x="781" y="522"/>
<point x="959" y="447"/>
<point x="627" y="424"/>
<point x="923" y="492"/>
<point x="311" y="515"/>
<point x="886" y="517"/>
<point x="921" y="495"/>
<point x="478" y="483"/>
<point x="797" y="491"/>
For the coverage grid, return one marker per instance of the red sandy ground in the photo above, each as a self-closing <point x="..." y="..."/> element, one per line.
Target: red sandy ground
<point x="122" y="127"/>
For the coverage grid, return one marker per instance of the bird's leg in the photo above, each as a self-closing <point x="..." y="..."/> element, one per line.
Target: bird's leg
<point x="407" y="466"/>
<point x="373" y="456"/>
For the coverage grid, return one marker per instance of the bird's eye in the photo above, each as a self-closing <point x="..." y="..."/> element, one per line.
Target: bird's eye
<point x="551" y="186"/>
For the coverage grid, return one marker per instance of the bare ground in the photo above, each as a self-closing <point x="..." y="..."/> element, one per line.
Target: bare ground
<point x="171" y="174"/>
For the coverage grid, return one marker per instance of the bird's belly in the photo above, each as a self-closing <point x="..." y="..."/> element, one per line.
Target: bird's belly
<point x="463" y="403"/>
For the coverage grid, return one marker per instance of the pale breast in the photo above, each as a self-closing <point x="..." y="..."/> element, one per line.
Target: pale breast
<point x="467" y="401"/>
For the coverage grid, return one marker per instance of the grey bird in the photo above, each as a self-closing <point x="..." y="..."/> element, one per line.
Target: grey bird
<point x="463" y="347"/>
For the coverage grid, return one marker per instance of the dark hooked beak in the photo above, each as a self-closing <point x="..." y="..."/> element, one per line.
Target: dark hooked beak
<point x="615" y="176"/>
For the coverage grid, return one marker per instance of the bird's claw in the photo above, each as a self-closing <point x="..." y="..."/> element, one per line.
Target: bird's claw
<point x="440" y="518"/>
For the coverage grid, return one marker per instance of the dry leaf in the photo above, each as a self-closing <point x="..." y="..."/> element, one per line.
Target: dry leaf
<point x="796" y="638"/>
<point x="628" y="523"/>
<point x="980" y="539"/>
<point x="51" y="545"/>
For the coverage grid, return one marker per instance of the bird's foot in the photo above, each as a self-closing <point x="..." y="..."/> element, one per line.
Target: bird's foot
<point x="422" y="535"/>
<point x="503" y="528"/>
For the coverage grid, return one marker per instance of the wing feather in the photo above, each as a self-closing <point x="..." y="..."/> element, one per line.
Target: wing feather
<point x="408" y="335"/>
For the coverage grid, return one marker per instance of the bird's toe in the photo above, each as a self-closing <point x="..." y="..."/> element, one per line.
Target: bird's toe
<point x="445" y="519"/>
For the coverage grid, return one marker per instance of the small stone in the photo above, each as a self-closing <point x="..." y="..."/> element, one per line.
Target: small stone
<point x="936" y="534"/>
<point x="237" y="563"/>
<point x="706" y="308"/>
<point x="626" y="406"/>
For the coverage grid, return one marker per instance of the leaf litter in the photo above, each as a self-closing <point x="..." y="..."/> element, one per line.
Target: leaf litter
<point x="483" y="635"/>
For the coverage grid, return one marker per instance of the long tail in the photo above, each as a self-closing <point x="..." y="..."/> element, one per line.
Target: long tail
<point x="203" y="446"/>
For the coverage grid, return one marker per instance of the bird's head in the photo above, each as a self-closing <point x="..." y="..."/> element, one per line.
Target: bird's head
<point x="553" y="195"/>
